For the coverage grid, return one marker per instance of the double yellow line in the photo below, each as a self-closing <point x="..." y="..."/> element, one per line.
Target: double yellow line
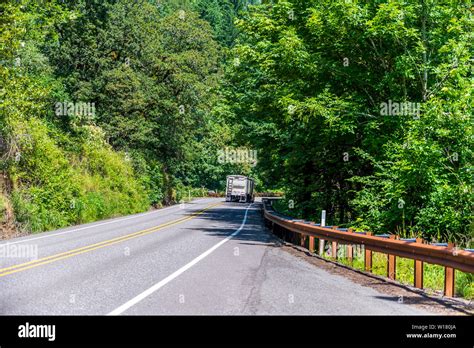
<point x="70" y="253"/>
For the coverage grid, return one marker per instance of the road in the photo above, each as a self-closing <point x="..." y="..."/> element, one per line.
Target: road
<point x="208" y="257"/>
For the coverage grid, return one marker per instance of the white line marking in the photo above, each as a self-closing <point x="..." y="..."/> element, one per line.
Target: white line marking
<point x="95" y="225"/>
<point x="172" y="276"/>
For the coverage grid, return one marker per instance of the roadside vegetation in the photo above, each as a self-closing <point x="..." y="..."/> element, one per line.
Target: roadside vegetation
<point x="363" y="109"/>
<point x="109" y="107"/>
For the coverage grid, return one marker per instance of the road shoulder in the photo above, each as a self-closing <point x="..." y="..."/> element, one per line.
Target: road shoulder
<point x="396" y="291"/>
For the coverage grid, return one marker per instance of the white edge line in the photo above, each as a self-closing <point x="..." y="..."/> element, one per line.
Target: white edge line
<point x="172" y="276"/>
<point x="95" y="225"/>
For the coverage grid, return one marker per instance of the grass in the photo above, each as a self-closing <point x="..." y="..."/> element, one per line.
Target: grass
<point x="3" y="208"/>
<point x="186" y="194"/>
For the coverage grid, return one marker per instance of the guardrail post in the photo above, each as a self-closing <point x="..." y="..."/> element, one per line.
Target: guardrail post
<point x="449" y="278"/>
<point x="368" y="256"/>
<point x="311" y="244"/>
<point x="302" y="240"/>
<point x="418" y="278"/>
<point x="321" y="247"/>
<point x="334" y="246"/>
<point x="392" y="263"/>
<point x="334" y="250"/>
<point x="350" y="252"/>
<point x="449" y="281"/>
<point x="349" y="249"/>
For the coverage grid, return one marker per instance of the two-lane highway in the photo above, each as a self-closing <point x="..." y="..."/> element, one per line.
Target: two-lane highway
<point x="208" y="257"/>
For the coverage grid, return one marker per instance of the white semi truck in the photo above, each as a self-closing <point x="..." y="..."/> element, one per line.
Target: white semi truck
<point x="239" y="189"/>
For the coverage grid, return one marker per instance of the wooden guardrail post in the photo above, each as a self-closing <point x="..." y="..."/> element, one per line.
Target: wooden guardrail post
<point x="418" y="277"/>
<point x="311" y="244"/>
<point x="368" y="256"/>
<point x="302" y="240"/>
<point x="449" y="281"/>
<point x="350" y="252"/>
<point x="449" y="277"/>
<point x="392" y="263"/>
<point x="334" y="246"/>
<point x="349" y="249"/>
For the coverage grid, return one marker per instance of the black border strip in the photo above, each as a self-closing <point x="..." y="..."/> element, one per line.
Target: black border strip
<point x="231" y="330"/>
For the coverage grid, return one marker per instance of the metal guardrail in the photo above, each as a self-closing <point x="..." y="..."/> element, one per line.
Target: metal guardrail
<point x="446" y="255"/>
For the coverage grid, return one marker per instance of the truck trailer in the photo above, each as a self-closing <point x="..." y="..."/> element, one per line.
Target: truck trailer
<point x="239" y="189"/>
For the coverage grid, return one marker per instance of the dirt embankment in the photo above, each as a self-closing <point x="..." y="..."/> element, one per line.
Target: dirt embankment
<point x="7" y="217"/>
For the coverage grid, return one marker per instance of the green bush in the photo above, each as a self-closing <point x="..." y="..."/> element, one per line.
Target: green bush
<point x="55" y="188"/>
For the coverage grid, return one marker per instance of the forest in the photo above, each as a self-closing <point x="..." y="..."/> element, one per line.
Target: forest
<point x="359" y="107"/>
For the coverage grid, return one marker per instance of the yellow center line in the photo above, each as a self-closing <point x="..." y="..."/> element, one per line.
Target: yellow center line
<point x="84" y="247"/>
<point x="56" y="257"/>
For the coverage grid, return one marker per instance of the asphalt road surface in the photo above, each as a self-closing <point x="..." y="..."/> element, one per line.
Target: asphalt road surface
<point x="206" y="257"/>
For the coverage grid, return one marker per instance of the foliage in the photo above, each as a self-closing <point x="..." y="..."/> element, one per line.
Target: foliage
<point x="152" y="70"/>
<point x="57" y="178"/>
<point x="309" y="91"/>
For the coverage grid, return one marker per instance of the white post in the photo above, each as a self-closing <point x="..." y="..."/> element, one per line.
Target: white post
<point x="321" y="241"/>
<point x="189" y="194"/>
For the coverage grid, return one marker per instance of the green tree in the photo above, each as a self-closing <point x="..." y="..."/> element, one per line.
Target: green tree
<point x="307" y="85"/>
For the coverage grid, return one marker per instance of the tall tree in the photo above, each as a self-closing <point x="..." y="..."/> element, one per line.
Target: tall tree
<point x="311" y="83"/>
